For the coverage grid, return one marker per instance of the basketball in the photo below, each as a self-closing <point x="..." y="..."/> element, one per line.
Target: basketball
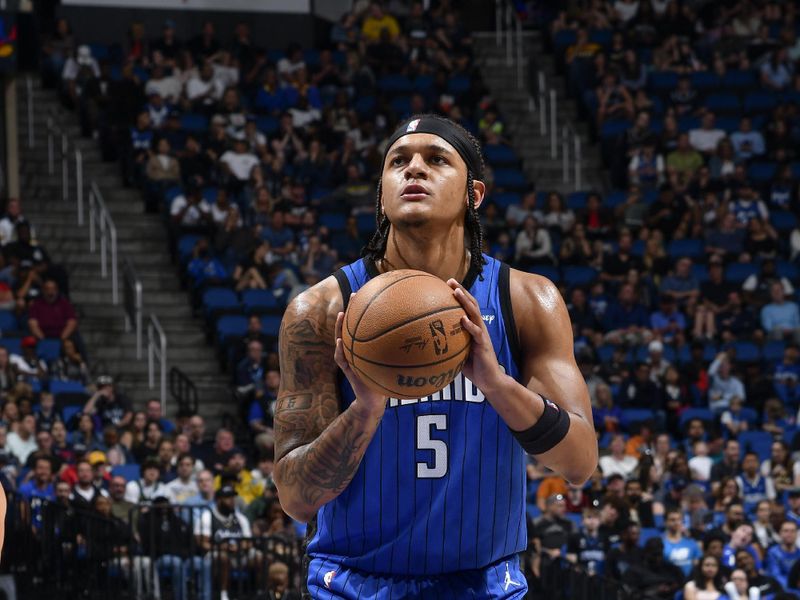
<point x="402" y="334"/>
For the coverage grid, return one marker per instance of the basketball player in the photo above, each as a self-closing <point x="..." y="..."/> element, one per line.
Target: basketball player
<point x="426" y="498"/>
<point x="2" y="518"/>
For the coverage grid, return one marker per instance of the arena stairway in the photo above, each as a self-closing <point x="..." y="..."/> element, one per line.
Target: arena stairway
<point x="515" y="108"/>
<point x="141" y="239"/>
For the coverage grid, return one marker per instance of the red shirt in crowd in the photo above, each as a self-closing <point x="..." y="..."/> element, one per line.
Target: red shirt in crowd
<point x="51" y="317"/>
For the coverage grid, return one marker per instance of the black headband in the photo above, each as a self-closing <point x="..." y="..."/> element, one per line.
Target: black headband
<point x="448" y="131"/>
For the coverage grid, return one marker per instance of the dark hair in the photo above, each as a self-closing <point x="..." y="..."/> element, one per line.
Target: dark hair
<point x="700" y="579"/>
<point x="183" y="456"/>
<point x="376" y="247"/>
<point x="672" y="510"/>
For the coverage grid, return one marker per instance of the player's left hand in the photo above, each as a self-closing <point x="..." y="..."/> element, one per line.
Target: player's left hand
<point x="481" y="367"/>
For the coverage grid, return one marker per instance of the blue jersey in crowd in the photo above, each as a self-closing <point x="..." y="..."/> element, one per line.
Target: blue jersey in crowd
<point x="682" y="554"/>
<point x="35" y="496"/>
<point x="779" y="562"/>
<point x="441" y="487"/>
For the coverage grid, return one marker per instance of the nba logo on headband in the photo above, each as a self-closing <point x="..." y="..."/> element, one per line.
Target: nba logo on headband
<point x="412" y="126"/>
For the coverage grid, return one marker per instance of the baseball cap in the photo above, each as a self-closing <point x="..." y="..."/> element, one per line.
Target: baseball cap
<point x="97" y="457"/>
<point x="104" y="380"/>
<point x="25" y="263"/>
<point x="226" y="491"/>
<point x="79" y="449"/>
<point x="655" y="346"/>
<point x="29" y="342"/>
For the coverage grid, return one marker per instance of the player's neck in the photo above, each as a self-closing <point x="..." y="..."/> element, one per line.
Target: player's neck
<point x="444" y="256"/>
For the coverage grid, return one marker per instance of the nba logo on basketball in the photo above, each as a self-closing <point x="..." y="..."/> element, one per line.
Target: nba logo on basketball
<point x="412" y="126"/>
<point x="329" y="578"/>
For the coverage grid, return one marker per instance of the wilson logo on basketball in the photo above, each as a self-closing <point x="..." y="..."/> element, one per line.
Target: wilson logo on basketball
<point x="439" y="337"/>
<point x="440" y="380"/>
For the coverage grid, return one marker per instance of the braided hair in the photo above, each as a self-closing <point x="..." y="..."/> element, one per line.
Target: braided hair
<point x="376" y="247"/>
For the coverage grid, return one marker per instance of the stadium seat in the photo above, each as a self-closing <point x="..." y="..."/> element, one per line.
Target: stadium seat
<point x="738" y="272"/>
<point x="700" y="272"/>
<point x="577" y="275"/>
<point x="773" y="351"/>
<point x="783" y="220"/>
<point x="787" y="269"/>
<point x="401" y="105"/>
<point x="69" y="412"/>
<point x="13" y="345"/>
<point x="762" y="172"/>
<point x="366" y="223"/>
<point x="723" y="103"/>
<point x="746" y="352"/>
<point x="750" y="415"/>
<point x="693" y="248"/>
<point x="564" y="38"/>
<point x="129" y="472"/>
<point x="576" y="518"/>
<point x="259" y="301"/>
<point x="577" y="200"/>
<point x="647" y="533"/>
<point x="459" y="84"/>
<point x="186" y="245"/>
<point x="510" y="178"/>
<point x="68" y="393"/>
<point x="500" y="155"/>
<point x="688" y="122"/>
<point x="229" y="327"/>
<point x="760" y="102"/>
<point x="615" y="198"/>
<point x="271" y="324"/>
<point x="194" y="123"/>
<point x="552" y="273"/>
<point x="506" y="199"/>
<point x="267" y="124"/>
<point x="219" y="300"/>
<point x="705" y="80"/>
<point x="8" y="321"/>
<point x="736" y="80"/>
<point x="662" y="81"/>
<point x="49" y="349"/>
<point x="395" y="84"/>
<point x="759" y="442"/>
<point x="703" y="414"/>
<point x="613" y="129"/>
<point x="423" y="83"/>
<point x="335" y="221"/>
<point x="630" y="416"/>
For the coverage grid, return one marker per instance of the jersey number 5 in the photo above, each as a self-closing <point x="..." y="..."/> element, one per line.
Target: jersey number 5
<point x="438" y="467"/>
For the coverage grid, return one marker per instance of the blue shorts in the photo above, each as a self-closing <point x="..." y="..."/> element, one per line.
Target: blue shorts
<point x="499" y="581"/>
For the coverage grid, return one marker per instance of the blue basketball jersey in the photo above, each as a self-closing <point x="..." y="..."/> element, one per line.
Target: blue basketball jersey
<point x="441" y="487"/>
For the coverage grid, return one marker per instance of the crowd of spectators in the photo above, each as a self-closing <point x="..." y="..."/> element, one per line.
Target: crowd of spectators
<point x="680" y="283"/>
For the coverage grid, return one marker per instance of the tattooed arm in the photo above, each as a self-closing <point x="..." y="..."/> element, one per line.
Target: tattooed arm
<point x="318" y="447"/>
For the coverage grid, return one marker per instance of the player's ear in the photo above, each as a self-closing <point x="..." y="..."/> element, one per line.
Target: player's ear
<point x="480" y="192"/>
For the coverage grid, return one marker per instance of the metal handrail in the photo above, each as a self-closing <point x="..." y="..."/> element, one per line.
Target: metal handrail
<point x="157" y="351"/>
<point x="99" y="217"/>
<point x="79" y="184"/>
<point x="132" y="291"/>
<point x="29" y="94"/>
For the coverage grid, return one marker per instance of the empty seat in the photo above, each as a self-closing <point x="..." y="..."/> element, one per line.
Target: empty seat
<point x="259" y="301"/>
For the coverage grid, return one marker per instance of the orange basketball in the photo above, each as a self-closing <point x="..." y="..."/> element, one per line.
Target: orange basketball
<point x="402" y="334"/>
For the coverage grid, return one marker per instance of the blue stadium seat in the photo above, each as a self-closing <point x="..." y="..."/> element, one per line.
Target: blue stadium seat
<point x="271" y="325"/>
<point x="267" y="124"/>
<point x="365" y="105"/>
<point x="703" y="414"/>
<point x="13" y="345"/>
<point x="643" y="353"/>
<point x="738" y="272"/>
<point x="577" y="275"/>
<point x="760" y="102"/>
<point x="613" y="129"/>
<point x="49" y="349"/>
<point x="739" y="79"/>
<point x="217" y="300"/>
<point x="506" y="199"/>
<point x="259" y="301"/>
<point x="129" y="472"/>
<point x="395" y="84"/>
<point x="684" y="354"/>
<point x="423" y="83"/>
<point x="171" y="193"/>
<point x="728" y="123"/>
<point x="576" y="518"/>
<point x="704" y="80"/>
<point x="630" y="416"/>
<point x="230" y="327"/>
<point x="459" y="84"/>
<point x="577" y="200"/>
<point x="700" y="272"/>
<point x="662" y="81"/>
<point x="564" y="38"/>
<point x="210" y="194"/>
<point x="68" y="412"/>
<point x="311" y="57"/>
<point x="605" y="353"/>
<point x="334" y="221"/>
<point x="750" y="415"/>
<point x="533" y="510"/>
<point x="647" y="533"/>
<point x="615" y="198"/>
<point x="57" y="386"/>
<point x="500" y="155"/>
<point x="746" y="352"/>
<point x="783" y="220"/>
<point x="687" y="123"/>
<point x="552" y="273"/>
<point x="194" y="123"/>
<point x="510" y="178"/>
<point x="366" y="223"/>
<point x="8" y="321"/>
<point x="759" y="442"/>
<point x="773" y="351"/>
<point x="693" y="248"/>
<point x="762" y="171"/>
<point x="601" y="36"/>
<point x="401" y="105"/>
<point x="186" y="245"/>
<point x="787" y="269"/>
<point x="723" y="103"/>
<point x="100" y="52"/>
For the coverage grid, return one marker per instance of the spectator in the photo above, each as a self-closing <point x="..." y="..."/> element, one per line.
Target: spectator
<point x="234" y="473"/>
<point x="550" y="534"/>
<point x="627" y="555"/>
<point x="653" y="577"/>
<point x="755" y="487"/>
<point x="766" y="584"/>
<point x="278" y="582"/>
<point x="746" y="142"/>
<point x="682" y="285"/>
<point x="646" y="168"/>
<point x="28" y="367"/>
<point x="109" y="405"/>
<point x="733" y="420"/>
<point x="38" y="489"/>
<point x="203" y="91"/>
<point x="52" y="315"/>
<point x="120" y="507"/>
<point x="190" y="212"/>
<point x="737" y="321"/>
<point x="707" y="582"/>
<point x="71" y="365"/>
<point x="781" y="557"/>
<point x="738" y="588"/>
<point x="148" y="486"/>
<point x="668" y="324"/>
<point x="22" y="442"/>
<point x="618" y="461"/>
<point x="626" y="320"/>
<point x="706" y="137"/>
<point x="204" y="498"/>
<point x="224" y="527"/>
<point x="724" y="385"/>
<point x="640" y="391"/>
<point x="587" y="547"/>
<point x="555" y="216"/>
<point x="683" y="162"/>
<point x="85" y="492"/>
<point x="516" y="213"/>
<point x="757" y="287"/>
<point x="184" y="486"/>
<point x="763" y="530"/>
<point x="681" y="551"/>
<point x="776" y="73"/>
<point x="780" y="318"/>
<point x="217" y="458"/>
<point x="747" y="206"/>
<point x="533" y="244"/>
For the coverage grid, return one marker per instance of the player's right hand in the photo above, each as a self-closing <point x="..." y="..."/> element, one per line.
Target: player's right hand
<point x="366" y="398"/>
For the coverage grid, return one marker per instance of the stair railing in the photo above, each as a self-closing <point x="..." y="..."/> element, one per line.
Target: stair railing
<point x="183" y="391"/>
<point x="508" y="27"/>
<point x="100" y="221"/>
<point x="157" y="351"/>
<point x="29" y="110"/>
<point x="132" y="302"/>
